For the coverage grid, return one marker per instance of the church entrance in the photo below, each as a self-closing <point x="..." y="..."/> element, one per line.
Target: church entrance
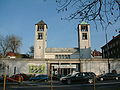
<point x="63" y="69"/>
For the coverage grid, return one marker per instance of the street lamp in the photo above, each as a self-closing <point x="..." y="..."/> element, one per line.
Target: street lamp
<point x="4" y="83"/>
<point x="107" y="50"/>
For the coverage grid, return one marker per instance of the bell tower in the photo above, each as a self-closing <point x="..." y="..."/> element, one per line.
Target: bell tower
<point x="40" y="39"/>
<point x="84" y="40"/>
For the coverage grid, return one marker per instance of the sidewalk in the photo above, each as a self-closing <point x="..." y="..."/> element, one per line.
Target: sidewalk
<point x="39" y="83"/>
<point x="30" y="83"/>
<point x="9" y="83"/>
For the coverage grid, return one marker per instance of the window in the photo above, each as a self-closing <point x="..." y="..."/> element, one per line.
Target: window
<point x="59" y="57"/>
<point x="84" y="36"/>
<point x="40" y="28"/>
<point x="56" y="56"/>
<point x="40" y="35"/>
<point x="68" y="56"/>
<point x="84" y="28"/>
<point x="62" y="56"/>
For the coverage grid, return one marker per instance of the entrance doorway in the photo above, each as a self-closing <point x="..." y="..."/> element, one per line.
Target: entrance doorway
<point x="63" y="69"/>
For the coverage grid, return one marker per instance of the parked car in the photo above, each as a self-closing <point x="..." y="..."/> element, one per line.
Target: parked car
<point x="14" y="78"/>
<point x="108" y="76"/>
<point x="39" y="78"/>
<point x="17" y="77"/>
<point x="118" y="76"/>
<point x="1" y="78"/>
<point x="25" y="77"/>
<point x="79" y="77"/>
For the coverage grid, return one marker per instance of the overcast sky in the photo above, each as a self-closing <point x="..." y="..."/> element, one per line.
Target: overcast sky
<point x="19" y="17"/>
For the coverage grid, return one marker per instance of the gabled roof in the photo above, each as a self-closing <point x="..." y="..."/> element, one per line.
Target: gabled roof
<point x="11" y="54"/>
<point x="115" y="38"/>
<point x="41" y="23"/>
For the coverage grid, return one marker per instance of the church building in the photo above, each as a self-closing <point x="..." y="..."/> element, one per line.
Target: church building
<point x="59" y="61"/>
<point x="41" y="51"/>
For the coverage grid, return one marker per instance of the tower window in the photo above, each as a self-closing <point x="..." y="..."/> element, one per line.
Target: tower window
<point x="40" y="35"/>
<point x="84" y="36"/>
<point x="84" y="27"/>
<point x="40" y="28"/>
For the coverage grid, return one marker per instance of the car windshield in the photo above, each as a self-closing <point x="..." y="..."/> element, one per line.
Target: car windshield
<point x="110" y="74"/>
<point x="73" y="74"/>
<point x="68" y="75"/>
<point x="41" y="76"/>
<point x="90" y="74"/>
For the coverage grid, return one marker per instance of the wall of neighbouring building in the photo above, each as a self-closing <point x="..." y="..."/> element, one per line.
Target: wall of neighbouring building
<point x="100" y="66"/>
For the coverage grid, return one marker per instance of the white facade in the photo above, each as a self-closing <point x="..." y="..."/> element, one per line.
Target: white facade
<point x="62" y="53"/>
<point x="16" y="66"/>
<point x="84" y="40"/>
<point x="42" y="66"/>
<point x="40" y="40"/>
<point x="82" y="51"/>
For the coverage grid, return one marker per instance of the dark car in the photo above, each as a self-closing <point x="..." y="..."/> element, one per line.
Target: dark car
<point x="118" y="76"/>
<point x="108" y="76"/>
<point x="1" y="78"/>
<point x="39" y="78"/>
<point x="79" y="77"/>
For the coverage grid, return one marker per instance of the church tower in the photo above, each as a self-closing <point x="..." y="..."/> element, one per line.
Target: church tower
<point x="84" y="40"/>
<point x="40" y="39"/>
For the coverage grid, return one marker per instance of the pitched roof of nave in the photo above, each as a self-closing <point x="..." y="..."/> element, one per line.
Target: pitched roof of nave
<point x="62" y="50"/>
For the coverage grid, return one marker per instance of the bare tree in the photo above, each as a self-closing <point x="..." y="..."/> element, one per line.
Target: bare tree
<point x="4" y="45"/>
<point x="14" y="43"/>
<point x="9" y="43"/>
<point x="104" y="12"/>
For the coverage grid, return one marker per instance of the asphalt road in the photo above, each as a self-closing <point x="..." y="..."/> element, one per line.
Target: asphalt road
<point x="107" y="85"/>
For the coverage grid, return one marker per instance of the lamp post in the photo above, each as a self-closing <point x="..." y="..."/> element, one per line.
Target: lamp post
<point x="4" y="83"/>
<point x="108" y="61"/>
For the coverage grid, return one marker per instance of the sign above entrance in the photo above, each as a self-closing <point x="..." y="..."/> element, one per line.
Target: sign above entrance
<point x="64" y="66"/>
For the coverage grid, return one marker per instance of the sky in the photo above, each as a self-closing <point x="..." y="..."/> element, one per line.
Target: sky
<point x="18" y="17"/>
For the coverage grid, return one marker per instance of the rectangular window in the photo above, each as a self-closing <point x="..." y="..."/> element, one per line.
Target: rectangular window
<point x="56" y="56"/>
<point x="62" y="56"/>
<point x="84" y="36"/>
<point x="84" y="27"/>
<point x="40" y="35"/>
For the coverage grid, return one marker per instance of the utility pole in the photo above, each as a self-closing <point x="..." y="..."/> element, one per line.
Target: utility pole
<point x="4" y="85"/>
<point x="51" y="75"/>
<point x="108" y="61"/>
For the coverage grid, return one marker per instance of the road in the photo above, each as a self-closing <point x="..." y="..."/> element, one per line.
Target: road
<point x="107" y="85"/>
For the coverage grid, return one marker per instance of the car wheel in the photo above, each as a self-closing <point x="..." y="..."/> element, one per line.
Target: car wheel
<point x="116" y="78"/>
<point x="68" y="81"/>
<point x="101" y="79"/>
<point x="90" y="81"/>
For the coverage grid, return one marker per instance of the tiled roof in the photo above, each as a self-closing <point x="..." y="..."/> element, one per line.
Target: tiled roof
<point x="41" y="23"/>
<point x="62" y="50"/>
